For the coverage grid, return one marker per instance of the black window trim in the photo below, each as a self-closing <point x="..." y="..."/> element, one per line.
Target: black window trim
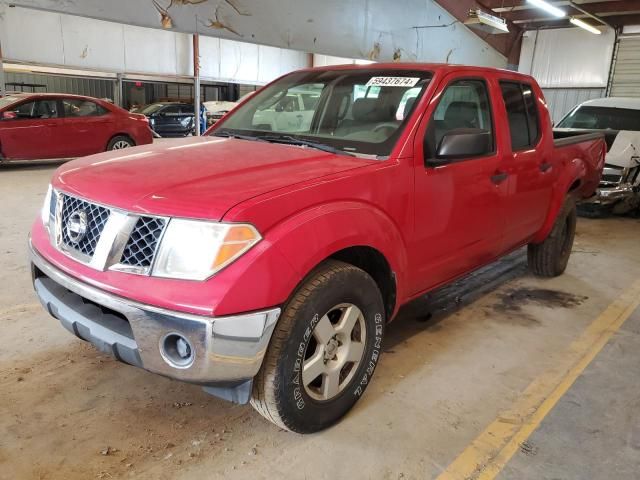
<point x="491" y="118"/>
<point x="532" y="145"/>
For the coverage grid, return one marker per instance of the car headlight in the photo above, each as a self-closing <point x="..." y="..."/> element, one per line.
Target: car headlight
<point x="195" y="250"/>
<point x="45" y="212"/>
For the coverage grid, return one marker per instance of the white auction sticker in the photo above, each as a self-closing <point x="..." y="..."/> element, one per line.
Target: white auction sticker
<point x="392" y="82"/>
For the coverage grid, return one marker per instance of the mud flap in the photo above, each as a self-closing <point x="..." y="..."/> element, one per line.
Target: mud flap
<point x="238" y="393"/>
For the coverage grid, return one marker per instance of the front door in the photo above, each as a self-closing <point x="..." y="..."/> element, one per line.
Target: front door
<point x="31" y="133"/>
<point x="458" y="221"/>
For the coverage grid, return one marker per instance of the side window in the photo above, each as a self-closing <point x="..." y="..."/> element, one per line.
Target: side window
<point x="37" y="109"/>
<point x="77" y="107"/>
<point x="463" y="105"/>
<point x="521" y="113"/>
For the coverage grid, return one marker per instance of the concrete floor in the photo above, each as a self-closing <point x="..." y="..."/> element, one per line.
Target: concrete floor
<point x="453" y="363"/>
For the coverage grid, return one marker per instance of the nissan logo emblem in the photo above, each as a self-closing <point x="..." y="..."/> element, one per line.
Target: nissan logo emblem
<point x="77" y="226"/>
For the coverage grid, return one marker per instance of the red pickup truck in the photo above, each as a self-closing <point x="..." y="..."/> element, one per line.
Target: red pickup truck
<point x="263" y="261"/>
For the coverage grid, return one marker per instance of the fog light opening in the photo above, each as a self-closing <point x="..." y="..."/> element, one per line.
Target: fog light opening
<point x="177" y="351"/>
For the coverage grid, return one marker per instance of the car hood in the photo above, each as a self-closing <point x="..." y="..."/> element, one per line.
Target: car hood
<point x="201" y="177"/>
<point x="625" y="151"/>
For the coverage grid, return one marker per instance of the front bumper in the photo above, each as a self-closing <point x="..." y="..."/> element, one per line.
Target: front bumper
<point x="223" y="350"/>
<point x="610" y="195"/>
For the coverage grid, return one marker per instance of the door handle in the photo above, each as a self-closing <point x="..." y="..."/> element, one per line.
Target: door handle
<point x="544" y="166"/>
<point x="499" y="177"/>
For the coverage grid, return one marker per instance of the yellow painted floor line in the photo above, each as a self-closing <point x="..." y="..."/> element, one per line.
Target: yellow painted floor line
<point x="487" y="455"/>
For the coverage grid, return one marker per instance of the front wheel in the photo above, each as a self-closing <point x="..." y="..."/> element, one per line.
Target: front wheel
<point x="120" y="142"/>
<point x="323" y="351"/>
<point x="550" y="258"/>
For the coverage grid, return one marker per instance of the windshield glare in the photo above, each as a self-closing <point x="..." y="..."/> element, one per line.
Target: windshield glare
<point x="356" y="111"/>
<point x="6" y="101"/>
<point x="602" y="118"/>
<point x="151" y="109"/>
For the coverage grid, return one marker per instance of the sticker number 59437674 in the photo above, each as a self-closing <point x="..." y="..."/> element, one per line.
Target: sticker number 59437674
<point x="392" y="82"/>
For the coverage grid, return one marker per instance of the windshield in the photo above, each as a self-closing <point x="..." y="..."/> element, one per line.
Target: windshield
<point x="350" y="111"/>
<point x="602" y="118"/>
<point x="6" y="101"/>
<point x="151" y="109"/>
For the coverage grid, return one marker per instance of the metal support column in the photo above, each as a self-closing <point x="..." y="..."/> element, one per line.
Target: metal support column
<point x="117" y="93"/>
<point x="2" y="91"/>
<point x="196" y="81"/>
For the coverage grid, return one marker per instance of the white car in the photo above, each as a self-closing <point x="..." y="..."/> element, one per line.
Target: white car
<point x="619" y="119"/>
<point x="217" y="109"/>
<point x="291" y="113"/>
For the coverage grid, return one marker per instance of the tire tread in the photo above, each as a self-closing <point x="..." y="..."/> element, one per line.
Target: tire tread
<point x="265" y="384"/>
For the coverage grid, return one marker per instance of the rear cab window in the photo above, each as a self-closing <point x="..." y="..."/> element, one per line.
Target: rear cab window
<point x="522" y="114"/>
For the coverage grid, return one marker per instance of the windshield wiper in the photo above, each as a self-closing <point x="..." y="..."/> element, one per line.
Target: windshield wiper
<point x="239" y="136"/>
<point x="291" y="140"/>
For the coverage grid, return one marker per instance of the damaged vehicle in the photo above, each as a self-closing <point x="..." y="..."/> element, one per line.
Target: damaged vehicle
<point x="619" y="120"/>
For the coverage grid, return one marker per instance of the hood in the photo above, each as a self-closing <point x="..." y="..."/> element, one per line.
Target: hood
<point x="202" y="177"/>
<point x="625" y="150"/>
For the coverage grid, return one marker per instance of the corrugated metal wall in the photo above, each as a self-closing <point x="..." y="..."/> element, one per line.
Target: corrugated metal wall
<point x="93" y="87"/>
<point x="562" y="100"/>
<point x="626" y="74"/>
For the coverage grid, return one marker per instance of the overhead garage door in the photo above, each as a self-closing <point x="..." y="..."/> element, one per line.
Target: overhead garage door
<point x="626" y="74"/>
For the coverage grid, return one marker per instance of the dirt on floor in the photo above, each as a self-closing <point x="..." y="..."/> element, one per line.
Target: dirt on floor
<point x="453" y="360"/>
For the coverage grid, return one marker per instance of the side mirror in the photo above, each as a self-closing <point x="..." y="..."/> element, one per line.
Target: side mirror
<point x="462" y="143"/>
<point x="9" y="115"/>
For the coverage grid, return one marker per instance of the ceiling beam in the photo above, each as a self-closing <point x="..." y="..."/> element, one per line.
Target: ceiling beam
<point x="599" y="9"/>
<point x="508" y="43"/>
<point x="505" y="5"/>
<point x="617" y="20"/>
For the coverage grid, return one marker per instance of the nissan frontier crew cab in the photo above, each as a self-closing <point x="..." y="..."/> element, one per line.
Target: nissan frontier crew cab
<point x="264" y="260"/>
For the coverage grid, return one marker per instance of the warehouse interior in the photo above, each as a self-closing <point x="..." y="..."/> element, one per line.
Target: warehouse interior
<point x="497" y="368"/>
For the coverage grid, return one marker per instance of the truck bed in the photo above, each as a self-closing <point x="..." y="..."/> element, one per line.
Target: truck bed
<point x="572" y="145"/>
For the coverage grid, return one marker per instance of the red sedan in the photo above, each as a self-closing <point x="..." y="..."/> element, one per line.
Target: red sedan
<point x="43" y="126"/>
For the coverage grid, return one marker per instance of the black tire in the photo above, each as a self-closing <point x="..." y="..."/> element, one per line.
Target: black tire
<point x="588" y="210"/>
<point x="117" y="143"/>
<point x="550" y="258"/>
<point x="278" y="390"/>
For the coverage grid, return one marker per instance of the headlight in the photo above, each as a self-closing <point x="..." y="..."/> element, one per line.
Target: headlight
<point x="195" y="250"/>
<point x="45" y="213"/>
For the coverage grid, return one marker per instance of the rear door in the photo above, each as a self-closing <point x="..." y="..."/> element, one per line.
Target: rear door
<point x="458" y="221"/>
<point x="529" y="166"/>
<point x="32" y="133"/>
<point x="86" y="127"/>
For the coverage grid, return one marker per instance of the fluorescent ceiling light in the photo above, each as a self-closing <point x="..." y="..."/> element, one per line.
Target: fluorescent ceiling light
<point x="547" y="7"/>
<point x="486" y="22"/>
<point x="586" y="26"/>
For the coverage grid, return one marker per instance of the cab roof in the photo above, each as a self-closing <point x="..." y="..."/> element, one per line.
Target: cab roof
<point x="427" y="67"/>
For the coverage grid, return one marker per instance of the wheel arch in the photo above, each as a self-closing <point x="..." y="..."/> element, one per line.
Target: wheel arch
<point x="570" y="182"/>
<point x="376" y="265"/>
<point x="121" y="134"/>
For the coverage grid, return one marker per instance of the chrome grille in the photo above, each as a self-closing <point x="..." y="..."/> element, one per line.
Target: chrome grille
<point x="97" y="217"/>
<point x="143" y="242"/>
